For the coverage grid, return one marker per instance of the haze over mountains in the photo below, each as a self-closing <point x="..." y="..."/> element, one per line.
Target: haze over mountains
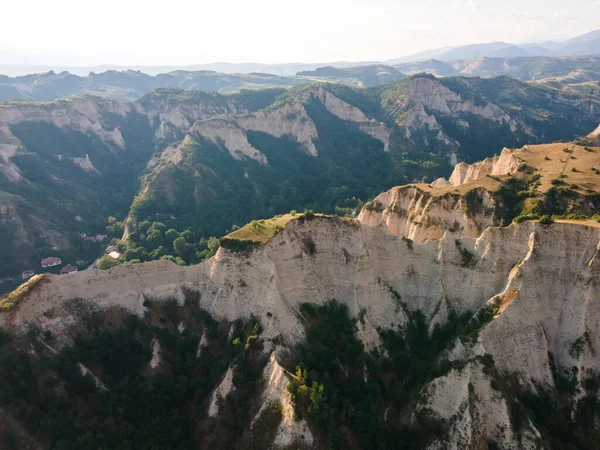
<point x="560" y="62"/>
<point x="582" y="45"/>
<point x="585" y="44"/>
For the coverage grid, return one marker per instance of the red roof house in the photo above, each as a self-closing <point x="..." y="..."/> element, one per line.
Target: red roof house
<point x="68" y="269"/>
<point x="50" y="262"/>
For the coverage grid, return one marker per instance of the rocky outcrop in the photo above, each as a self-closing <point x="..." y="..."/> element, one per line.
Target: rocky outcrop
<point x="507" y="163"/>
<point x="85" y="164"/>
<point x="290" y="119"/>
<point x="85" y="114"/>
<point x="228" y="132"/>
<point x="412" y="213"/>
<point x="476" y="411"/>
<point x="290" y="430"/>
<point x="346" y="111"/>
<point x="425" y="101"/>
<point x="173" y="119"/>
<point x="221" y="393"/>
<point x="433" y="96"/>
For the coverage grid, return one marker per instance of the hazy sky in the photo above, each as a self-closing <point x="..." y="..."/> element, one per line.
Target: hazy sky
<point x="151" y="32"/>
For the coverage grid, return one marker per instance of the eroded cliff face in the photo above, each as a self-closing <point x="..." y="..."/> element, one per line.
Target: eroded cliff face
<point x="345" y="111"/>
<point x="433" y="96"/>
<point x="411" y="212"/>
<point x="85" y="114"/>
<point x="508" y="162"/>
<point x="290" y="119"/>
<point x="231" y="134"/>
<point x="427" y="105"/>
<point x="541" y="281"/>
<point x="173" y="120"/>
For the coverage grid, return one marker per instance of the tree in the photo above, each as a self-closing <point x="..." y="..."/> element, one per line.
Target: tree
<point x="171" y="235"/>
<point x="153" y="240"/>
<point x="212" y="244"/>
<point x="106" y="262"/>
<point x="143" y="226"/>
<point x="181" y="247"/>
<point x="159" y="226"/>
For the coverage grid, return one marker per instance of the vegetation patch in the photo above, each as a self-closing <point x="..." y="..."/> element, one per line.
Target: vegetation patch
<point x="468" y="258"/>
<point x="141" y="408"/>
<point x="355" y="398"/>
<point x="473" y="202"/>
<point x="258" y="231"/>
<point x="13" y="298"/>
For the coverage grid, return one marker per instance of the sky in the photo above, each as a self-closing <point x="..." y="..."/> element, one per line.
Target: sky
<point x="182" y="32"/>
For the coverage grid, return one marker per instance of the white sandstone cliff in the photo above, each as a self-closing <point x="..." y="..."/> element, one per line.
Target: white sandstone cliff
<point x="508" y="162"/>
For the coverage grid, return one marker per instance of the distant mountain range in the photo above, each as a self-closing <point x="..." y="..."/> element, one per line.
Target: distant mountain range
<point x="568" y="62"/>
<point x="582" y="45"/>
<point x="585" y="44"/>
<point x="567" y="70"/>
<point x="132" y="85"/>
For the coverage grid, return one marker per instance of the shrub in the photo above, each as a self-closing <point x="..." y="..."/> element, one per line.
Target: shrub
<point x="546" y="220"/>
<point x="309" y="214"/>
<point x="524" y="217"/>
<point x="473" y="202"/>
<point x="310" y="246"/>
<point x="468" y="258"/>
<point x="238" y="245"/>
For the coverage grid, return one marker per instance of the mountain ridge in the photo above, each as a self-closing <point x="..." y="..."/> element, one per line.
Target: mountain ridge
<point x="415" y="127"/>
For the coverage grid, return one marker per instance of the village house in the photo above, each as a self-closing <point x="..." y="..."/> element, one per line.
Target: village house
<point x="68" y="269"/>
<point x="114" y="254"/>
<point x="50" y="262"/>
<point x="27" y="274"/>
<point x="101" y="237"/>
